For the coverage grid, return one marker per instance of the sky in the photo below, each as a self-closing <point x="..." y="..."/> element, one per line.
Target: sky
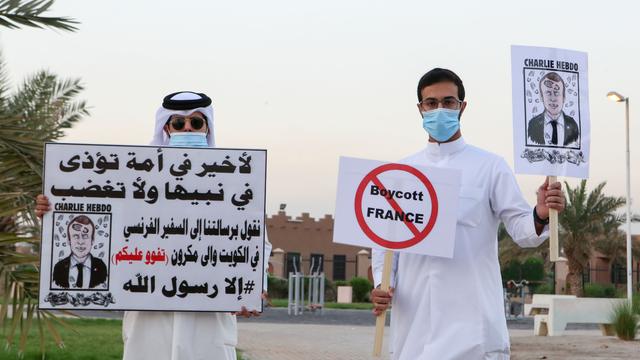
<point x="313" y="81"/>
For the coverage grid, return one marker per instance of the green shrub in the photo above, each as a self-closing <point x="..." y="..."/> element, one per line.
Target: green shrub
<point x="636" y="303"/>
<point x="361" y="288"/>
<point x="533" y="269"/>
<point x="593" y="290"/>
<point x="512" y="271"/>
<point x="342" y="283"/>
<point x="330" y="290"/>
<point x="625" y="322"/>
<point x="545" y="288"/>
<point x="610" y="291"/>
<point x="277" y="288"/>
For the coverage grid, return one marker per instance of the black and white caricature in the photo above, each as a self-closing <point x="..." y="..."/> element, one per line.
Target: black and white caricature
<point x="75" y="266"/>
<point x="551" y="128"/>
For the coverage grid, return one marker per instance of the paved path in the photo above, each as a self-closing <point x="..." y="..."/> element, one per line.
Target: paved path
<point x="332" y="317"/>
<point x="279" y="341"/>
<point x="274" y="341"/>
<point x="348" y="335"/>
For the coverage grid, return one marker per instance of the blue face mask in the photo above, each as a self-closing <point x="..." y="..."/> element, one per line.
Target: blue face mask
<point x="188" y="139"/>
<point x="441" y="123"/>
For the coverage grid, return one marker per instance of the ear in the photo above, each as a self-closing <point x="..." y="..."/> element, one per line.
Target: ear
<point x="462" y="107"/>
<point x="166" y="130"/>
<point x="419" y="110"/>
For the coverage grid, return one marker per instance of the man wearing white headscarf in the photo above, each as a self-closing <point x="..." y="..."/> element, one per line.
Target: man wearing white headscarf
<point x="184" y="119"/>
<point x="183" y="335"/>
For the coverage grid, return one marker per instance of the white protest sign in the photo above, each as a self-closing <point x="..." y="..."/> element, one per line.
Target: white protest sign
<point x="551" y="127"/>
<point x="396" y="206"/>
<point x="153" y="228"/>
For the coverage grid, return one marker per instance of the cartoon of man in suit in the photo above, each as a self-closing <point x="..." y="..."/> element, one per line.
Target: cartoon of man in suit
<point x="80" y="270"/>
<point x="553" y="127"/>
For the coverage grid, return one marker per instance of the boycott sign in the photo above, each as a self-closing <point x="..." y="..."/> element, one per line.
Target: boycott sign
<point x="396" y="206"/>
<point x="410" y="219"/>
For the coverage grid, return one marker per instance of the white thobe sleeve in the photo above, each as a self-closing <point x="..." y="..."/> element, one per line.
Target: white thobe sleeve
<point x="510" y="206"/>
<point x="377" y="264"/>
<point x="267" y="254"/>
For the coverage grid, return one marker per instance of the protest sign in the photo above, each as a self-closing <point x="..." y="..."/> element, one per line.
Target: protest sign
<point x="551" y="126"/>
<point x="153" y="228"/>
<point x="396" y="206"/>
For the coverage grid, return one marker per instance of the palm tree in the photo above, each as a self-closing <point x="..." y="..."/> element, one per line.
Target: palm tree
<point x="587" y="219"/>
<point x="509" y="250"/>
<point x="37" y="112"/>
<point x="14" y="13"/>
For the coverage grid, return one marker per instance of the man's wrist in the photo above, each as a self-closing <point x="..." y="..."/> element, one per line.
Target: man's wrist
<point x="538" y="219"/>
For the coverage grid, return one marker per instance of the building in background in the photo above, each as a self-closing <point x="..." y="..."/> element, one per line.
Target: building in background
<point x="601" y="270"/>
<point x="304" y="241"/>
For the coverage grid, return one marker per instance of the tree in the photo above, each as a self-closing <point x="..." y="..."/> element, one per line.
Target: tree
<point x="587" y="218"/>
<point x="37" y="111"/>
<point x="14" y="13"/>
<point x="512" y="253"/>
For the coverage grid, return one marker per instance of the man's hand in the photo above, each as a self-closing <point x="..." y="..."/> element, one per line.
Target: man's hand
<point x="42" y="205"/>
<point x="246" y="313"/>
<point x="550" y="196"/>
<point x="381" y="300"/>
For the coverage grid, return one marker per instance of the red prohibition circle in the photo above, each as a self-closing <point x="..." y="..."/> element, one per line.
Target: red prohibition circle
<point x="422" y="234"/>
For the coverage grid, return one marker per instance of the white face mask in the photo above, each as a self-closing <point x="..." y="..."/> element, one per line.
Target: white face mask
<point x="188" y="139"/>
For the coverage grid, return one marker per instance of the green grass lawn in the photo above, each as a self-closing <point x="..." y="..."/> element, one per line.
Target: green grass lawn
<point x="328" y="305"/>
<point x="90" y="339"/>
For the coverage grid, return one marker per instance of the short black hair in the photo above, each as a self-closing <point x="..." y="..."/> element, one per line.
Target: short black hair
<point x="437" y="75"/>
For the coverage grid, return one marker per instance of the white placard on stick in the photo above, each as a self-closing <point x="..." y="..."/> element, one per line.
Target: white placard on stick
<point x="153" y="228"/>
<point x="551" y="127"/>
<point x="394" y="206"/>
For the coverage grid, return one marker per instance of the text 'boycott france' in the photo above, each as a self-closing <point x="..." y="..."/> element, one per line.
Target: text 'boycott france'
<point x="393" y="214"/>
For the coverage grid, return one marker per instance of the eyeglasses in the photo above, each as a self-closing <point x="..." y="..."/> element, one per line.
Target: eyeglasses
<point x="448" y="102"/>
<point x="178" y="122"/>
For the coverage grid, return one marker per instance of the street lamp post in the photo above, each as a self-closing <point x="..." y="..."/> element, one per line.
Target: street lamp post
<point x="617" y="97"/>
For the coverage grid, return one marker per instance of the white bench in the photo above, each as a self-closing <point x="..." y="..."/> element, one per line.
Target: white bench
<point x="540" y="303"/>
<point x="576" y="310"/>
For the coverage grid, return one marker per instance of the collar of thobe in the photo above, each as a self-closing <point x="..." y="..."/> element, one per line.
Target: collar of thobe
<point x="445" y="149"/>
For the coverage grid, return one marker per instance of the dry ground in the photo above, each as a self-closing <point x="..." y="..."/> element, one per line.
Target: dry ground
<point x="270" y="341"/>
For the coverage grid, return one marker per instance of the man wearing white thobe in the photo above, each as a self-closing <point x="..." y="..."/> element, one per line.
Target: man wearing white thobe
<point x="452" y="309"/>
<point x="183" y="335"/>
<point x="184" y="119"/>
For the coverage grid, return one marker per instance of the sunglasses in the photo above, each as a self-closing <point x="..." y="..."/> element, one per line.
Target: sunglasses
<point x="178" y="122"/>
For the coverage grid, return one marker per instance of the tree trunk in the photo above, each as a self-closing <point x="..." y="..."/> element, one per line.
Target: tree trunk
<point x="574" y="279"/>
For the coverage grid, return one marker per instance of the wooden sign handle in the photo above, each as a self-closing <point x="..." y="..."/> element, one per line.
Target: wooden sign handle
<point x="382" y="318"/>
<point x="554" y="247"/>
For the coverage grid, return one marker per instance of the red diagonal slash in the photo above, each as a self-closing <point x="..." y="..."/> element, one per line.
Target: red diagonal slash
<point x="418" y="235"/>
<point x="394" y="204"/>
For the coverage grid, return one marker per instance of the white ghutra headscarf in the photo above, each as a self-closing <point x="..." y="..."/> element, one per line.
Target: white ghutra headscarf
<point x="182" y="103"/>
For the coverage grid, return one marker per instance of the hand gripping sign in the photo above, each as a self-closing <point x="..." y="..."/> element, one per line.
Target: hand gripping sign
<point x="397" y="207"/>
